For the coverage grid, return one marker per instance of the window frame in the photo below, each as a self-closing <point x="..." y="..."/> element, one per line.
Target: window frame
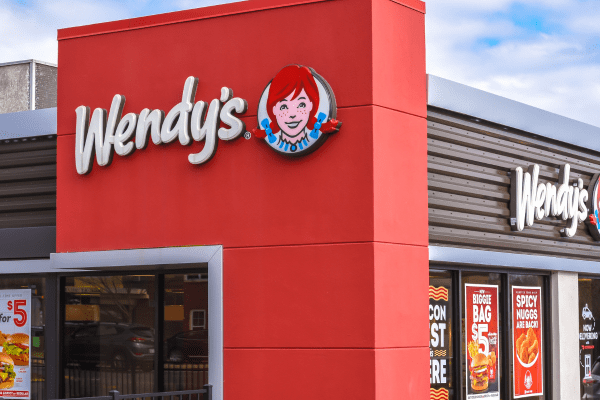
<point x="158" y="261"/>
<point x="456" y="271"/>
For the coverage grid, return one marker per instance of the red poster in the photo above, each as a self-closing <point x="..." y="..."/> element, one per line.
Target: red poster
<point x="482" y="341"/>
<point x="528" y="365"/>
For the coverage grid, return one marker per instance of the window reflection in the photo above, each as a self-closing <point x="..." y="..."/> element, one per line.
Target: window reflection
<point x="186" y="331"/>
<point x="109" y="334"/>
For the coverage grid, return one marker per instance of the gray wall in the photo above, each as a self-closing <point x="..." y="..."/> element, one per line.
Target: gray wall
<point x="469" y="166"/>
<point x="14" y="88"/>
<point x="45" y="86"/>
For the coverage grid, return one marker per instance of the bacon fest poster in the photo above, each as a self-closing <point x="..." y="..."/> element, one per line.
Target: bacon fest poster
<point x="528" y="365"/>
<point x="439" y="343"/>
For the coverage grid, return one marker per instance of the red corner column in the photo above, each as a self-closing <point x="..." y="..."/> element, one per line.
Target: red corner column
<point x="401" y="239"/>
<point x="325" y="256"/>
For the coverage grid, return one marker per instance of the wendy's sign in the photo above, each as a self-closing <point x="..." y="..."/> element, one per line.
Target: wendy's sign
<point x="296" y="111"/>
<point x="105" y="136"/>
<point x="531" y="200"/>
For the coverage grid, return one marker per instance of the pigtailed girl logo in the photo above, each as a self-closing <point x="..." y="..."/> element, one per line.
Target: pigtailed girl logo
<point x="296" y="111"/>
<point x="593" y="221"/>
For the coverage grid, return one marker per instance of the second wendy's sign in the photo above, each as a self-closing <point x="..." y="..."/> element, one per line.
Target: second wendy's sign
<point x="481" y="341"/>
<point x="528" y="366"/>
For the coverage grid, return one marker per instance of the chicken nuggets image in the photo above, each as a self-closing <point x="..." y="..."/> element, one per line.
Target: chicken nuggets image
<point x="527" y="346"/>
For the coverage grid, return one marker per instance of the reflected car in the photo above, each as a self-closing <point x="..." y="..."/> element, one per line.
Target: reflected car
<point x="116" y="345"/>
<point x="591" y="384"/>
<point x="190" y="346"/>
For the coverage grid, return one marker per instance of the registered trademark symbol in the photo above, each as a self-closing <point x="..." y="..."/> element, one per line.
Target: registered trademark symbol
<point x="247" y="135"/>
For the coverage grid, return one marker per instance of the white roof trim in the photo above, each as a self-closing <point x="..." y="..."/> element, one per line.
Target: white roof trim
<point x="467" y="100"/>
<point x="24" y="124"/>
<point x="27" y="62"/>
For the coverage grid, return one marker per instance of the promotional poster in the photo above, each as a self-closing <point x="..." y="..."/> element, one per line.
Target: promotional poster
<point x="528" y="365"/>
<point x="15" y="329"/>
<point x="439" y="343"/>
<point x="482" y="341"/>
<point x="588" y="334"/>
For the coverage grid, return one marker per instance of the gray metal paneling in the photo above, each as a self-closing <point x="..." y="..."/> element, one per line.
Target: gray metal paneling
<point x="469" y="164"/>
<point x="27" y="186"/>
<point x="35" y="242"/>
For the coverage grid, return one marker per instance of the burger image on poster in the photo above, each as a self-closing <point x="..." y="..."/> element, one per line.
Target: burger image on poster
<point x="16" y="346"/>
<point x="479" y="372"/>
<point x="7" y="372"/>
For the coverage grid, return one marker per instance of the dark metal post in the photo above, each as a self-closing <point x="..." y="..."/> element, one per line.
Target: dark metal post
<point x="208" y="394"/>
<point x="159" y="321"/>
<point x="457" y="333"/>
<point x="53" y="337"/>
<point x="504" y="338"/>
<point x="547" y="312"/>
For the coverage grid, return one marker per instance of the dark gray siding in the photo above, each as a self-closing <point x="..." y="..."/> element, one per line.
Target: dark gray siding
<point x="28" y="182"/>
<point x="45" y="86"/>
<point x="469" y="164"/>
<point x="14" y="88"/>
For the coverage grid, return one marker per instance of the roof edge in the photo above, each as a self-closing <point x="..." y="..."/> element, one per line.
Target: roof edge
<point x="26" y="124"/>
<point x="463" y="99"/>
<point x="28" y="62"/>
<point x="221" y="10"/>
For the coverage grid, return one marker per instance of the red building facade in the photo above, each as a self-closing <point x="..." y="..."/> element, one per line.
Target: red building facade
<point x="325" y="259"/>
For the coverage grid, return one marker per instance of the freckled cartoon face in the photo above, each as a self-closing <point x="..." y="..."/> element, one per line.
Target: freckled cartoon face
<point x="292" y="114"/>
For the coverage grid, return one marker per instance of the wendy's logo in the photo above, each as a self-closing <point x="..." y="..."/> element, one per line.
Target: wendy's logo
<point x="593" y="221"/>
<point x="296" y="111"/>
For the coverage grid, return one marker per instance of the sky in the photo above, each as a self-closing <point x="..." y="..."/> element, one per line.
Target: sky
<point x="545" y="53"/>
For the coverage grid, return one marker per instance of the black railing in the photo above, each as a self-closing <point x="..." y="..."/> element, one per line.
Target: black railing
<point x="100" y="380"/>
<point x="198" y="394"/>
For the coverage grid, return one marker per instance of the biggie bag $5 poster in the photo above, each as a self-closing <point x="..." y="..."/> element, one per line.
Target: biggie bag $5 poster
<point x="481" y="341"/>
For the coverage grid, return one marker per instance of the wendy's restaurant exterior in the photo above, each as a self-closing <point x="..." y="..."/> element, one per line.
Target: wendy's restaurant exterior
<point x="273" y="211"/>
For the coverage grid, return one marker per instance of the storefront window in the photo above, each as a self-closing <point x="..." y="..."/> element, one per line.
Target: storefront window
<point x="589" y="354"/>
<point x="440" y="338"/>
<point x="111" y="337"/>
<point x="502" y="320"/>
<point x="109" y="334"/>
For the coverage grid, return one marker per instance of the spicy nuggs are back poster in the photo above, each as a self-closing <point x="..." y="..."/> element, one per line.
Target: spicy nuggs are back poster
<point x="482" y="341"/>
<point x="528" y="364"/>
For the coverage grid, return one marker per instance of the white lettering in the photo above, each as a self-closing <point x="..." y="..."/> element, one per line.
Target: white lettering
<point x="531" y="201"/>
<point x="106" y="136"/>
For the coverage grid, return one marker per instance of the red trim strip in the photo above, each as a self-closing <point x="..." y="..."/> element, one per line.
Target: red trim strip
<point x="181" y="16"/>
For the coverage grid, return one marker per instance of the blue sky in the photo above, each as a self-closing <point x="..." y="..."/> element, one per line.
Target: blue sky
<point x="542" y="52"/>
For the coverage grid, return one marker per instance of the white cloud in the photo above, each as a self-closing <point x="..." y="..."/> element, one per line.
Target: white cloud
<point x="30" y="32"/>
<point x="558" y="71"/>
<point x="473" y="42"/>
